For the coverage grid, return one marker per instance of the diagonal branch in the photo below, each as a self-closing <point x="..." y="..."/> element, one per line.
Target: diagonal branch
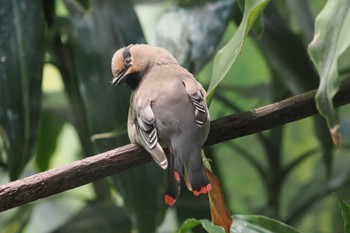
<point x="90" y="169"/>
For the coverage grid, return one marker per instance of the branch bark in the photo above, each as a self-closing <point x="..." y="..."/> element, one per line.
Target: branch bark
<point x="95" y="167"/>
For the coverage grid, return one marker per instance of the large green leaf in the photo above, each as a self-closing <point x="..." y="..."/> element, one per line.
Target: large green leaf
<point x="49" y="129"/>
<point x="241" y="223"/>
<point x="331" y="39"/>
<point x="345" y="209"/>
<point x="288" y="59"/>
<point x="228" y="54"/>
<point x="93" y="37"/>
<point x="21" y="63"/>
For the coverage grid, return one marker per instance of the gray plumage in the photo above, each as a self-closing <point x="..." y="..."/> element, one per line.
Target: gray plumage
<point x="167" y="109"/>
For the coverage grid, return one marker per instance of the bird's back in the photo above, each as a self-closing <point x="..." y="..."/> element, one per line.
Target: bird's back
<point x="171" y="104"/>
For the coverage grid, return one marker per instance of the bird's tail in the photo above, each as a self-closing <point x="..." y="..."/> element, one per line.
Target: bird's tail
<point x="186" y="163"/>
<point x="195" y="176"/>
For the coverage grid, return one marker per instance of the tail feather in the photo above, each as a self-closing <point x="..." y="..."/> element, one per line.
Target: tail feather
<point x="173" y="190"/>
<point x="185" y="162"/>
<point x="196" y="174"/>
<point x="198" y="180"/>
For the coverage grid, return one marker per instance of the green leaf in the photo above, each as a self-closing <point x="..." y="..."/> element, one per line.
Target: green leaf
<point x="93" y="37"/>
<point x="345" y="210"/>
<point x="188" y="225"/>
<point x="259" y="224"/>
<point x="21" y="64"/>
<point x="331" y="39"/>
<point x="258" y="25"/>
<point x="206" y="224"/>
<point x="241" y="223"/>
<point x="289" y="60"/>
<point x="211" y="228"/>
<point x="228" y="54"/>
<point x="97" y="98"/>
<point x="49" y="129"/>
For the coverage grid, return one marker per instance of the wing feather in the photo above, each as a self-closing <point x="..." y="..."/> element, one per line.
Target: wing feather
<point x="197" y="96"/>
<point x="148" y="136"/>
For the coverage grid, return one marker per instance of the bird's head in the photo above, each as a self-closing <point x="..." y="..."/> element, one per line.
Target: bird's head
<point x="130" y="63"/>
<point x="123" y="65"/>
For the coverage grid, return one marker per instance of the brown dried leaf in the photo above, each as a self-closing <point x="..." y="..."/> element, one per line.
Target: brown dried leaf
<point x="219" y="213"/>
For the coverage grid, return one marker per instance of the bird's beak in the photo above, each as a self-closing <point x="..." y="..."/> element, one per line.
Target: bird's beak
<point x="120" y="78"/>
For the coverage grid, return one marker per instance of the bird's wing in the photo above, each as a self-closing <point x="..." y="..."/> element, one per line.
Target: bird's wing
<point x="197" y="95"/>
<point x="148" y="136"/>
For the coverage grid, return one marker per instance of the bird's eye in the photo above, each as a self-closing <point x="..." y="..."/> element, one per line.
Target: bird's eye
<point x="127" y="60"/>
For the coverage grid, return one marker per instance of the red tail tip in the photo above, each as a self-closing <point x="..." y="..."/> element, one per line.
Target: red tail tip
<point x="203" y="190"/>
<point x="169" y="200"/>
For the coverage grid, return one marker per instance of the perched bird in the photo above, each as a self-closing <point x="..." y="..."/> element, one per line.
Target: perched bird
<point x="167" y="110"/>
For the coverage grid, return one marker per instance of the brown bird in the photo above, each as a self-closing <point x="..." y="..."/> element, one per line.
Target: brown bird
<point x="167" y="110"/>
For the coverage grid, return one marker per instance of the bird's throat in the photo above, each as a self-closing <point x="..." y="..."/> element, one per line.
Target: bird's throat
<point x="133" y="80"/>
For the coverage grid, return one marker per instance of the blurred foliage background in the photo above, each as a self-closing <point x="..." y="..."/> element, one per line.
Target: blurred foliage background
<point x="57" y="106"/>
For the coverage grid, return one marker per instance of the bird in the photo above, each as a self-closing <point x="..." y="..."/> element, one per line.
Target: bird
<point x="168" y="109"/>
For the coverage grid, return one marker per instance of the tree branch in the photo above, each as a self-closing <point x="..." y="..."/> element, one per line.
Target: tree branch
<point x="92" y="168"/>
